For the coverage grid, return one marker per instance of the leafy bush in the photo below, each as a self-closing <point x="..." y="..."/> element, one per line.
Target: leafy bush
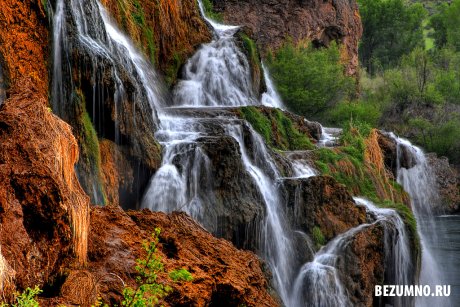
<point x="309" y="80"/>
<point x="26" y="298"/>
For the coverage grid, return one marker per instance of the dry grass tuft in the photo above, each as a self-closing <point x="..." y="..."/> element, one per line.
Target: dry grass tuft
<point x="80" y="288"/>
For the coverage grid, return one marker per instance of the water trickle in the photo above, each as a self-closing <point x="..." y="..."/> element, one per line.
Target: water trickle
<point x="115" y="86"/>
<point x="418" y="181"/>
<point x="329" y="137"/>
<point x="318" y="282"/>
<point x="270" y="98"/>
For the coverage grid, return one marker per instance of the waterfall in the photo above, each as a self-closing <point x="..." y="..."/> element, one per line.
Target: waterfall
<point x="277" y="246"/>
<point x="114" y="72"/>
<point x="318" y="282"/>
<point x="218" y="75"/>
<point x="398" y="256"/>
<point x="417" y="179"/>
<point x="106" y="46"/>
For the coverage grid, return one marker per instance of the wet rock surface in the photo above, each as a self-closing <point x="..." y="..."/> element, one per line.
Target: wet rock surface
<point x="448" y="180"/>
<point x="322" y="202"/>
<point x="321" y="22"/>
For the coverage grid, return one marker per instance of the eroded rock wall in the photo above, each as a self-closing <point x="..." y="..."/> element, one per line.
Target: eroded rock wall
<point x="271" y="22"/>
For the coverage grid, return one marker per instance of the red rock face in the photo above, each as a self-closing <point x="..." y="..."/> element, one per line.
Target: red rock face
<point x="24" y="42"/>
<point x="319" y="21"/>
<point x="43" y="210"/>
<point x="222" y="275"/>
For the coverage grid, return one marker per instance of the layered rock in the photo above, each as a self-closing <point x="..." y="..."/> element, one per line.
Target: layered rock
<point x="318" y="21"/>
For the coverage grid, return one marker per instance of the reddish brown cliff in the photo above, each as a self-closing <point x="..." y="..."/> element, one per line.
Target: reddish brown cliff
<point x="319" y="21"/>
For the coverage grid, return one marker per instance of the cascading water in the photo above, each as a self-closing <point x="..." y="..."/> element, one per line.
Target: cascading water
<point x="271" y="98"/>
<point x="218" y="75"/>
<point x="399" y="265"/>
<point x="418" y="180"/>
<point x="117" y="74"/>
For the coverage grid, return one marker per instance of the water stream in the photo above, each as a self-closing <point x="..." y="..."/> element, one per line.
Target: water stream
<point x="216" y="77"/>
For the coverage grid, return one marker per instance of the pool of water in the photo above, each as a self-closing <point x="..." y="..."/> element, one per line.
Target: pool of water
<point x="446" y="247"/>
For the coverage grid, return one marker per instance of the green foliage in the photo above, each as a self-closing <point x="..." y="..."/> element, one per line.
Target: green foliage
<point x="418" y="98"/>
<point x="446" y="24"/>
<point x="318" y="237"/>
<point x="209" y="11"/>
<point x="276" y="128"/>
<point x="149" y="291"/>
<point x="180" y="275"/>
<point x="391" y="29"/>
<point x="309" y="80"/>
<point x="26" y="298"/>
<point x="358" y="110"/>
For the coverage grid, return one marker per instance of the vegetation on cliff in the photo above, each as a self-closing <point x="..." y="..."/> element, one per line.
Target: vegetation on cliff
<point x="276" y="128"/>
<point x="310" y="81"/>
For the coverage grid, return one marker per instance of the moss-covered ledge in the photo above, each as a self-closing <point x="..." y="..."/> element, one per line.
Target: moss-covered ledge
<point x="281" y="130"/>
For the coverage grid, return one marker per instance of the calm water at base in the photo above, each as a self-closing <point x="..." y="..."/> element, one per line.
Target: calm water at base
<point x="447" y="252"/>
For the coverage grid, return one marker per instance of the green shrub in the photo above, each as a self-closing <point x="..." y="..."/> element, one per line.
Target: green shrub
<point x="310" y="81"/>
<point x="26" y="298"/>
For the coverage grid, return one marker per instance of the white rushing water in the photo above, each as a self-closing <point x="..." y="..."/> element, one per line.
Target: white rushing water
<point x="418" y="181"/>
<point x="218" y="75"/>
<point x="318" y="282"/>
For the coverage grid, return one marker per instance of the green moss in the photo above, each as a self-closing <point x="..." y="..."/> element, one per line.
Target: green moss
<point x="259" y="122"/>
<point x="318" y="237"/>
<point x="173" y="69"/>
<point x="276" y="128"/>
<point x="138" y="14"/>
<point x="148" y="33"/>
<point x="90" y="157"/>
<point x="209" y="11"/>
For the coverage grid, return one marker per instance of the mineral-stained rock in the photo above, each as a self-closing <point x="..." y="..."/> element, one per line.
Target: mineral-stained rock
<point x="43" y="210"/>
<point x="24" y="43"/>
<point x="322" y="202"/>
<point x="319" y="21"/>
<point x="222" y="275"/>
